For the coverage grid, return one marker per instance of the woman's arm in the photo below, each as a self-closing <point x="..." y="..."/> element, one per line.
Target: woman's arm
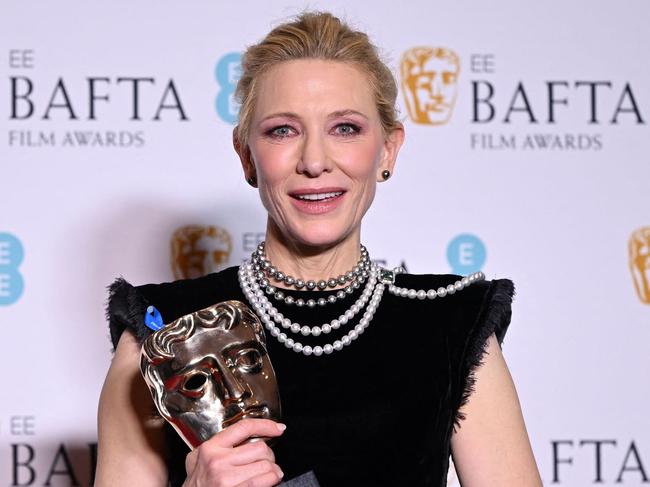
<point x="131" y="438"/>
<point x="491" y="447"/>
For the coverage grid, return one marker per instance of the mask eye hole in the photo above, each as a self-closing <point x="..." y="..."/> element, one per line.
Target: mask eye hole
<point x="195" y="382"/>
<point x="249" y="360"/>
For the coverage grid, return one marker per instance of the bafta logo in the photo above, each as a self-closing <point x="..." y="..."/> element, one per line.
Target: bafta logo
<point x="199" y="250"/>
<point x="429" y="82"/>
<point x="639" y="256"/>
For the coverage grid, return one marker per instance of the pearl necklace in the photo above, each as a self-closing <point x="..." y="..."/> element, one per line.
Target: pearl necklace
<point x="263" y="306"/>
<point x="378" y="279"/>
<point x="263" y="264"/>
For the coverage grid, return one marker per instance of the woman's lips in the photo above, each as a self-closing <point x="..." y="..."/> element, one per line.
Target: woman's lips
<point x="316" y="202"/>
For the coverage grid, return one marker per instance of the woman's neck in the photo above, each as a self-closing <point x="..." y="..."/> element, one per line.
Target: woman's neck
<point x="311" y="262"/>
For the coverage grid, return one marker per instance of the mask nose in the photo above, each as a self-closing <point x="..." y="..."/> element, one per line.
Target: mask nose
<point x="437" y="87"/>
<point x="234" y="387"/>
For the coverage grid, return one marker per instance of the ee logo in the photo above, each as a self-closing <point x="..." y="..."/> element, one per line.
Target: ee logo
<point x="466" y="254"/>
<point x="11" y="281"/>
<point x="227" y="74"/>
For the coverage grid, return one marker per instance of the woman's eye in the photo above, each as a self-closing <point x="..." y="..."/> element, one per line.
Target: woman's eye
<point x="249" y="360"/>
<point x="346" y="129"/>
<point x="281" y="132"/>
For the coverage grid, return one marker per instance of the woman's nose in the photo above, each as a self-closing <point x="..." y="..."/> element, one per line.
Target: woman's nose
<point x="313" y="158"/>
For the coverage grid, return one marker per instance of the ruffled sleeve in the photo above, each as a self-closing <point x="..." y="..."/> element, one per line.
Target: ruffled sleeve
<point x="493" y="317"/>
<point x="125" y="309"/>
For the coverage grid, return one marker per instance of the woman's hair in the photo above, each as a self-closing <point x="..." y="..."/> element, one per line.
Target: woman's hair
<point x="315" y="35"/>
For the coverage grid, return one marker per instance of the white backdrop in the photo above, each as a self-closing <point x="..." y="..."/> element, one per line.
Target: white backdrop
<point x="550" y="204"/>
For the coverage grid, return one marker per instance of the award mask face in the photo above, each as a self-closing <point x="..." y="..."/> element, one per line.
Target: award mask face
<point x="429" y="81"/>
<point x="209" y="369"/>
<point x="639" y="256"/>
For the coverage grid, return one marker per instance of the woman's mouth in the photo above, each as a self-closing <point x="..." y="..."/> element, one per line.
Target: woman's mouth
<point x="316" y="201"/>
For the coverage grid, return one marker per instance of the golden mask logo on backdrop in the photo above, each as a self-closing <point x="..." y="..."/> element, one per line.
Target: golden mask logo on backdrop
<point x="198" y="250"/>
<point x="429" y="77"/>
<point x="639" y="259"/>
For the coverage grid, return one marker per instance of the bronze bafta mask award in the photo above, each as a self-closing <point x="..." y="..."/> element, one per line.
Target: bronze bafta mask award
<point x="209" y="369"/>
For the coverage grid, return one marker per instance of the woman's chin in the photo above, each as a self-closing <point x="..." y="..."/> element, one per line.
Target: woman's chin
<point x="319" y="236"/>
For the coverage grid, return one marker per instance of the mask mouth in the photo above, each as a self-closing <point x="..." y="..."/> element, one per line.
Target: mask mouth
<point x="246" y="412"/>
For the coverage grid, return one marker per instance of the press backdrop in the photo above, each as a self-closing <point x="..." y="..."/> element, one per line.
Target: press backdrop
<point x="531" y="163"/>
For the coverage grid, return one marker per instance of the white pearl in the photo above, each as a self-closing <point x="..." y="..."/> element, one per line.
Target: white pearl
<point x="315" y="331"/>
<point x="326" y="328"/>
<point x="442" y="292"/>
<point x="337" y="345"/>
<point x="318" y="351"/>
<point x="297" y="347"/>
<point x="305" y="330"/>
<point x="458" y="285"/>
<point x="422" y="294"/>
<point x="295" y="328"/>
<point x="431" y="294"/>
<point x="328" y="349"/>
<point x="275" y="331"/>
<point x="335" y="324"/>
<point x="359" y="329"/>
<point x="451" y="289"/>
<point x="349" y="314"/>
<point x="465" y="281"/>
<point x="289" y="343"/>
<point x="307" y="350"/>
<point x="343" y="320"/>
<point x="346" y="340"/>
<point x="282" y="337"/>
<point x="353" y="335"/>
<point x="412" y="293"/>
<point x="403" y="292"/>
<point x="286" y="323"/>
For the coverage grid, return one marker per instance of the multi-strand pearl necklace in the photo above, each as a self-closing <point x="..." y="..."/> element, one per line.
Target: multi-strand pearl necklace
<point x="265" y="271"/>
<point x="378" y="280"/>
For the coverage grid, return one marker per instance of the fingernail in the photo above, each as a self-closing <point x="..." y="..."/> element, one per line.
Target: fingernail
<point x="281" y="426"/>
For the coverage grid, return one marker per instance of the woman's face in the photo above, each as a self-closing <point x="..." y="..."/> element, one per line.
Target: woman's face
<point x="317" y="149"/>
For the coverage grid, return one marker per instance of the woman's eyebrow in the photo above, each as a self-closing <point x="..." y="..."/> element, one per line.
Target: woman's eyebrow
<point x="343" y="113"/>
<point x="291" y="115"/>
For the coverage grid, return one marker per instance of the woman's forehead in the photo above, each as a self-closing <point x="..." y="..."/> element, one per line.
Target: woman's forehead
<point x="313" y="85"/>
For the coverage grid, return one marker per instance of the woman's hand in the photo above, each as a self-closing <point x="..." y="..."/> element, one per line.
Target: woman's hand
<point x="226" y="461"/>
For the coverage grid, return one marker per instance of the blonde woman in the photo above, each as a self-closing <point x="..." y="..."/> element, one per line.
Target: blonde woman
<point x="382" y="376"/>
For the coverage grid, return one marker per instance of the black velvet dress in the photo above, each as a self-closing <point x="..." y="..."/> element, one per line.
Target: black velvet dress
<point x="379" y="412"/>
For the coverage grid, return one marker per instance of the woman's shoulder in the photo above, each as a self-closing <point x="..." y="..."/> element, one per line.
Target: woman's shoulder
<point x="472" y="301"/>
<point x="127" y="303"/>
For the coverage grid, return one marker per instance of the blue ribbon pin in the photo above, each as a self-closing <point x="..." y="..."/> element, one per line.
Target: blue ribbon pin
<point x="153" y="319"/>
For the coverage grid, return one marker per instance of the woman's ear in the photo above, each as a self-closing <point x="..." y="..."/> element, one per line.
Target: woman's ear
<point x="392" y="144"/>
<point x="245" y="158"/>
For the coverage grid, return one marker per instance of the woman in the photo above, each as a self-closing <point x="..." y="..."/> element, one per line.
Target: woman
<point x="379" y="382"/>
